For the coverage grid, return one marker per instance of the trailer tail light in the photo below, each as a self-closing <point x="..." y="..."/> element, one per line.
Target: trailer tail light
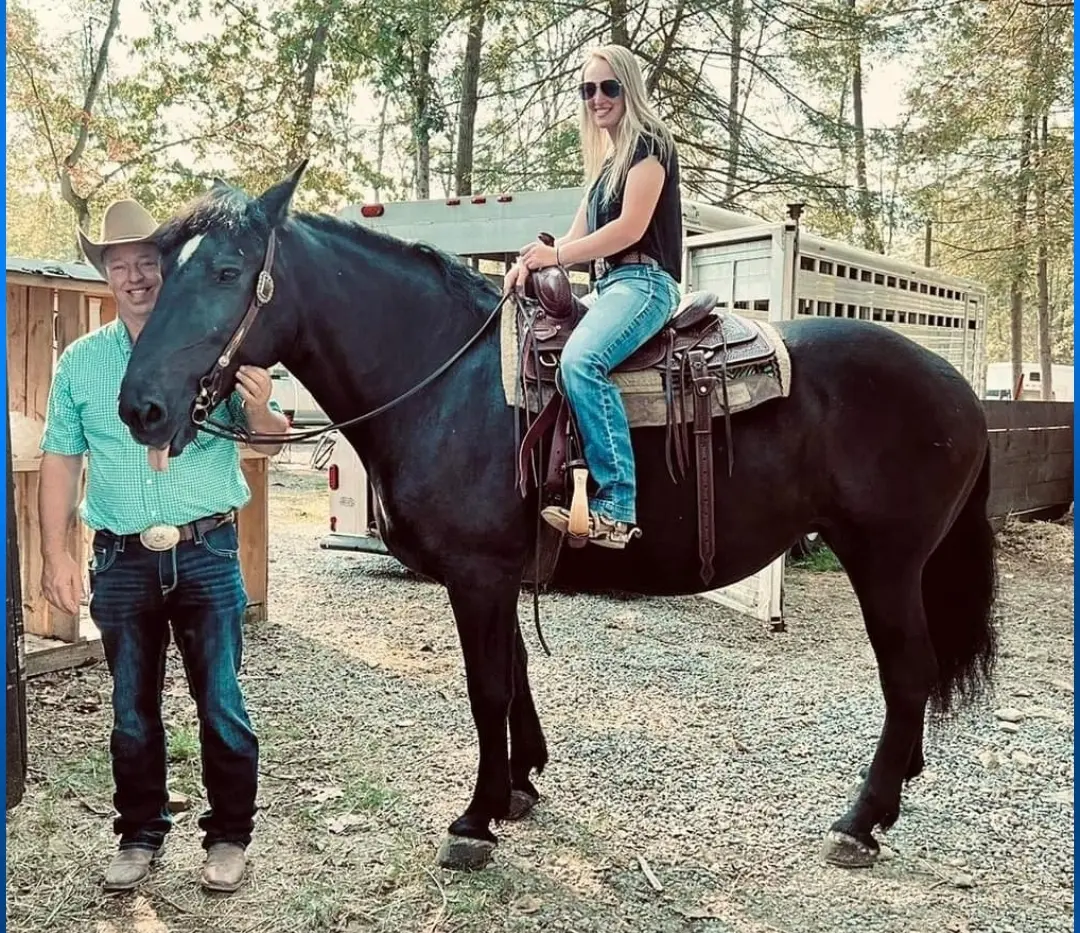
<point x="372" y="210"/>
<point x="505" y="198"/>
<point x="453" y="202"/>
<point x="332" y="476"/>
<point x="333" y="523"/>
<point x="479" y="199"/>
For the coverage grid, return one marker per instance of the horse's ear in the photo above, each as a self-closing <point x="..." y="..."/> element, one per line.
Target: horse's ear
<point x="220" y="185"/>
<point x="275" y="199"/>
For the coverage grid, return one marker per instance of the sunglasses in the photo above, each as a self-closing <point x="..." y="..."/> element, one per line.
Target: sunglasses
<point x="609" y="87"/>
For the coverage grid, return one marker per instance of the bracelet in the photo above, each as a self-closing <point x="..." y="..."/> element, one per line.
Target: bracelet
<point x="557" y="262"/>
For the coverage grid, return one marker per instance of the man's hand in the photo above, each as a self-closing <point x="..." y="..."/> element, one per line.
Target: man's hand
<point x="255" y="386"/>
<point x="62" y="582"/>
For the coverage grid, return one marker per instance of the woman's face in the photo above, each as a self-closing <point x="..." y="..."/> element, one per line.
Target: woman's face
<point x="606" y="111"/>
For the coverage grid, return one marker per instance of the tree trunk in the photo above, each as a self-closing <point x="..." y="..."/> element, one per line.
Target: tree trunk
<point x="470" y="83"/>
<point x="1020" y="210"/>
<point x="421" y="117"/>
<point x="380" y="146"/>
<point x="870" y="238"/>
<point x="620" y="31"/>
<point x="1041" y="277"/>
<point x="734" y="126"/>
<point x="305" y="105"/>
<point x="79" y="204"/>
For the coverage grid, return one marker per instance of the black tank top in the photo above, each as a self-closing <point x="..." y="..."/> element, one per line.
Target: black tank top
<point x="663" y="238"/>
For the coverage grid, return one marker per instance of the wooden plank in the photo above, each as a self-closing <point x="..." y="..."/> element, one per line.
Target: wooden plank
<point x="1017" y="463"/>
<point x="253" y="523"/>
<point x="18" y="300"/>
<point x="1009" y="499"/>
<point x="1025" y="414"/>
<point x="59" y="656"/>
<point x="36" y="619"/>
<point x="39" y="352"/>
<point x="108" y="309"/>
<point x="26" y="280"/>
<point x="72" y="318"/>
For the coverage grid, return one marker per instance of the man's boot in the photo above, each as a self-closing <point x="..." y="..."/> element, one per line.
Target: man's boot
<point x="129" y="868"/>
<point x="223" y="869"/>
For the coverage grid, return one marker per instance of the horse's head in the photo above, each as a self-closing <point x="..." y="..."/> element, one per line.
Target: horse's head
<point x="218" y="267"/>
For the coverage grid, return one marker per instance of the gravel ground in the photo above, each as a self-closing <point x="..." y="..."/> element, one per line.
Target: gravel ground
<point x="686" y="742"/>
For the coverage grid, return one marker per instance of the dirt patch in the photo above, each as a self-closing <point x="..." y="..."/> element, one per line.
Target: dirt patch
<point x="683" y="737"/>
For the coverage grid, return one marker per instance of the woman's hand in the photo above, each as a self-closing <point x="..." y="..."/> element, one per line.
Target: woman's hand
<point x="515" y="278"/>
<point x="537" y="256"/>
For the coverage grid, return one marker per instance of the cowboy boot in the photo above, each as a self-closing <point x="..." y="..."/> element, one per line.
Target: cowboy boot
<point x="129" y="868"/>
<point x="224" y="867"/>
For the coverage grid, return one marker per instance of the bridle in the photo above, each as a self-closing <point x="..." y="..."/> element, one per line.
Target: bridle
<point x="210" y="385"/>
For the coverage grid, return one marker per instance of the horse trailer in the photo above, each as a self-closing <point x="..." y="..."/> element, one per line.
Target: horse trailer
<point x="769" y="271"/>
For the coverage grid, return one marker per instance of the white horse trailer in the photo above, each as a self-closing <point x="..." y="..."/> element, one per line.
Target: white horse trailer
<point x="769" y="271"/>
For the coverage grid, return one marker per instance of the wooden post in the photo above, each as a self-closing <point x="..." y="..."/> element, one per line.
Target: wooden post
<point x="16" y="660"/>
<point x="253" y="524"/>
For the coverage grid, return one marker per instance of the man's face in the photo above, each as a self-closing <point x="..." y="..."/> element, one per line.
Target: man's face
<point x="133" y="271"/>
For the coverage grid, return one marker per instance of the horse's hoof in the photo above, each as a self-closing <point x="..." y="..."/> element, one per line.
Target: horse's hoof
<point x="521" y="805"/>
<point x="848" y="852"/>
<point x="462" y="853"/>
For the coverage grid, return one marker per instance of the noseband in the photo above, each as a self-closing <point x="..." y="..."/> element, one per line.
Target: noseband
<point x="210" y="384"/>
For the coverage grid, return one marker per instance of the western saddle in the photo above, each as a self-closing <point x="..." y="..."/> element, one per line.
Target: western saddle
<point x="697" y="353"/>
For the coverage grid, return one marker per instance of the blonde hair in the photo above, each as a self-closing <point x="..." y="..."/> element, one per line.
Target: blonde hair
<point x="602" y="154"/>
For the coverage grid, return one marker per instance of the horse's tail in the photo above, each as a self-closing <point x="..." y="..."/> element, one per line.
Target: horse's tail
<point x="959" y="591"/>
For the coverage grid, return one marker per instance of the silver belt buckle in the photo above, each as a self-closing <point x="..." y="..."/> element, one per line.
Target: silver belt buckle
<point x="160" y="537"/>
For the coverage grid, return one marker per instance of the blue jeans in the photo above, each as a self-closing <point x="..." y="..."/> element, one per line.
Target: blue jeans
<point x="135" y="594"/>
<point x="628" y="306"/>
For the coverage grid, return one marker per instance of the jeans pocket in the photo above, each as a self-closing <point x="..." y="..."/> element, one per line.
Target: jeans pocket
<point x="103" y="556"/>
<point x="223" y="541"/>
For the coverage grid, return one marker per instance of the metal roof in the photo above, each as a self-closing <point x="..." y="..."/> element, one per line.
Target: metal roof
<point x="52" y="268"/>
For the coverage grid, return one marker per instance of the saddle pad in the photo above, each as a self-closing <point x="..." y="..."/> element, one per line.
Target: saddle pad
<point x="643" y="391"/>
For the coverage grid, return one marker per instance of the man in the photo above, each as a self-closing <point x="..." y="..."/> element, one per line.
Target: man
<point x="144" y="576"/>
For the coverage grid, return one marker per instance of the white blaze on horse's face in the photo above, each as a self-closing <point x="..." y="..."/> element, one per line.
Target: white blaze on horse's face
<point x="188" y="250"/>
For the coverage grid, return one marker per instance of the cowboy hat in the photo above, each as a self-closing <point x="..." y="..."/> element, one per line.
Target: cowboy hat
<point x="124" y="221"/>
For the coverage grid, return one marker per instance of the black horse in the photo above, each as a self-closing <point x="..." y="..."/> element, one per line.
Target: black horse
<point x="881" y="447"/>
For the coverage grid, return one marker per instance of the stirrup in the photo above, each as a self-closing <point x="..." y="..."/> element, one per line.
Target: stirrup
<point x="602" y="532"/>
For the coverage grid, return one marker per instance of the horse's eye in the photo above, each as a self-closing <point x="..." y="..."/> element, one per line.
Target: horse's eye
<point x="227" y="275"/>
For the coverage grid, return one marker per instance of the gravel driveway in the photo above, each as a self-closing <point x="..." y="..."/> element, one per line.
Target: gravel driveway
<point x="696" y="762"/>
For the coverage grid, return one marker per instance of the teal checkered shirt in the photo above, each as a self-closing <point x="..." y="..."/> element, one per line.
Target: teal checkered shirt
<point x="123" y="494"/>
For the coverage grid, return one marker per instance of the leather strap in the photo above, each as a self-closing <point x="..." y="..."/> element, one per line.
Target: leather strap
<point x="704" y="384"/>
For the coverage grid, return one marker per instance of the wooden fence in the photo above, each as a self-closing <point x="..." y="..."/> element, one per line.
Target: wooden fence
<point x="1031" y="467"/>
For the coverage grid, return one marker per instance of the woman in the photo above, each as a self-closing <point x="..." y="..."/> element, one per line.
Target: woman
<point x="630" y="220"/>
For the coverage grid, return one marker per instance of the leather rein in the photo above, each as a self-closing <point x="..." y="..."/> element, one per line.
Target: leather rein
<point x="210" y="385"/>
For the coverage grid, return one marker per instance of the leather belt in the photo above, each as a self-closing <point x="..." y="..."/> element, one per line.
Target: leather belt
<point x="166" y="537"/>
<point x="603" y="266"/>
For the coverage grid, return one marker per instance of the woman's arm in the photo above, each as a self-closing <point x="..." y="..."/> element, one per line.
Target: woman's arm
<point x="643" y="185"/>
<point x="579" y="227"/>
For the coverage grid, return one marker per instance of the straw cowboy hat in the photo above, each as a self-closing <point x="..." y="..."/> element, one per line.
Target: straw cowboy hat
<point x="124" y="221"/>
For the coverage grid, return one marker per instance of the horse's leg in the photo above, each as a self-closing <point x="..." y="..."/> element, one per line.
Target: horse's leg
<point x="485" y="609"/>
<point x="528" y="747"/>
<point x="890" y="593"/>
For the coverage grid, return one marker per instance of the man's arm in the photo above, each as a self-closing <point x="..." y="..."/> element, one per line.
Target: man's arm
<point x="63" y="444"/>
<point x="58" y="500"/>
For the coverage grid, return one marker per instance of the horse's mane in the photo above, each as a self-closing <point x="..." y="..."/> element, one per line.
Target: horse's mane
<point x="210" y="209"/>
<point x="465" y="284"/>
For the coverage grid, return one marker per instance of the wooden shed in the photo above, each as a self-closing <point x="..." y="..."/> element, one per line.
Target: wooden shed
<point x="50" y="304"/>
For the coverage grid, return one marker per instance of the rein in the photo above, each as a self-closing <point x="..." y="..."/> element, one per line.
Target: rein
<point x="210" y="385"/>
